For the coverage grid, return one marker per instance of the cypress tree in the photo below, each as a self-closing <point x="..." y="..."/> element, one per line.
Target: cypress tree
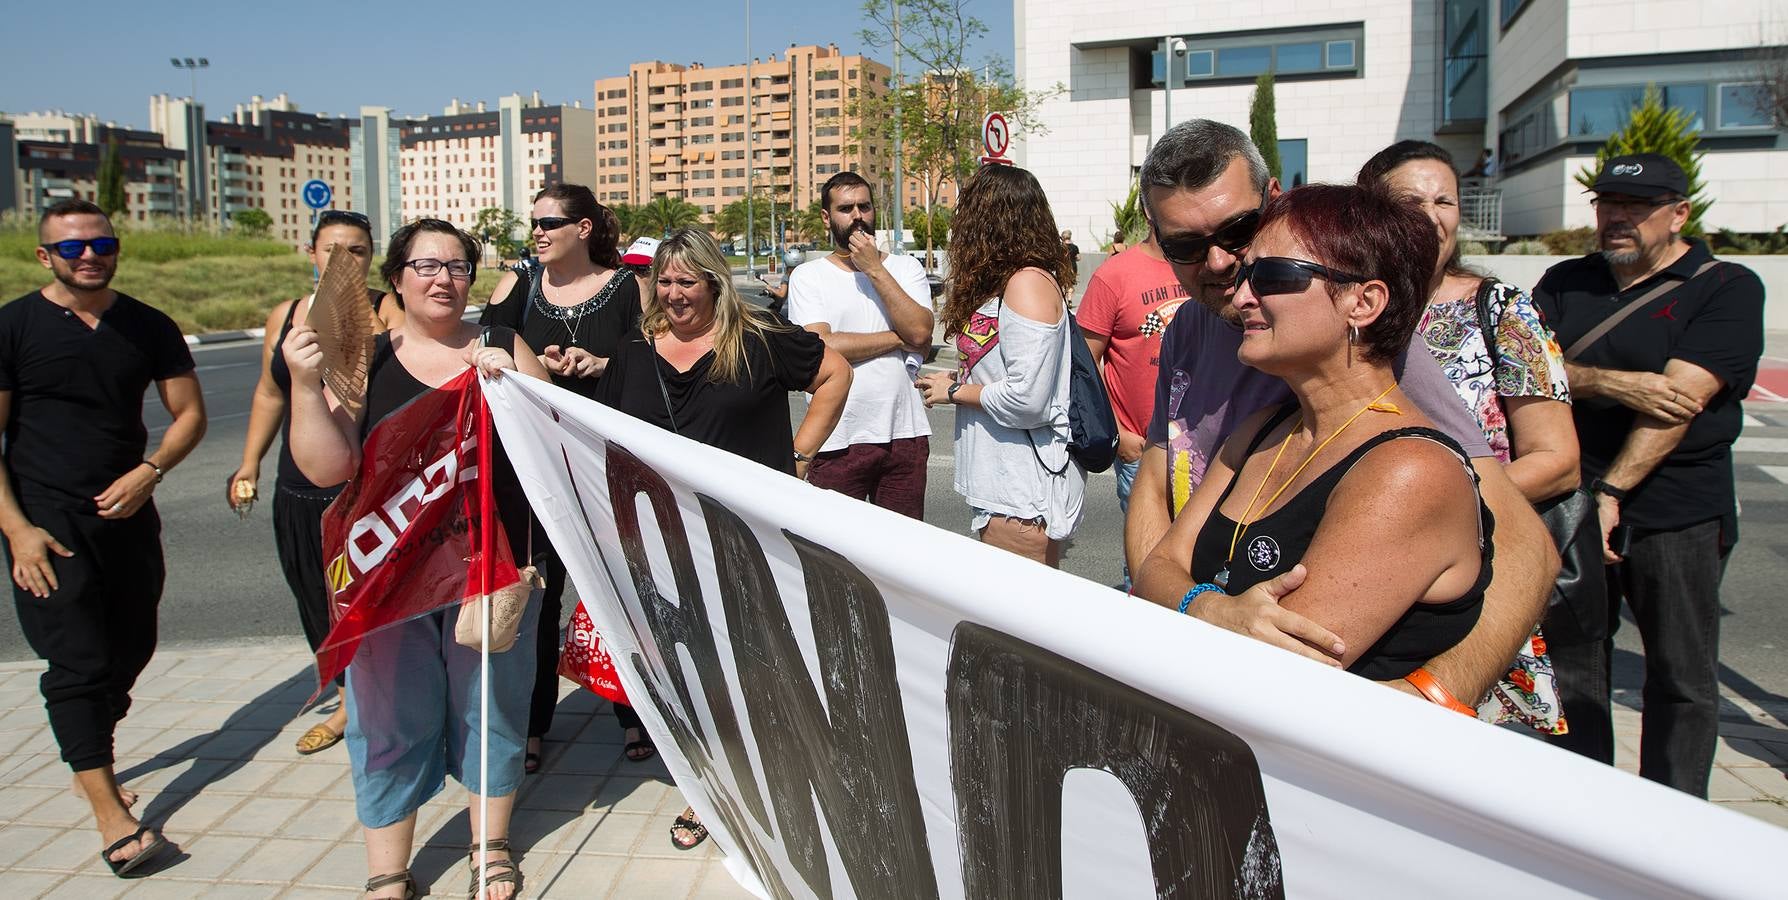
<point x="1263" y="125"/>
<point x="112" y="198"/>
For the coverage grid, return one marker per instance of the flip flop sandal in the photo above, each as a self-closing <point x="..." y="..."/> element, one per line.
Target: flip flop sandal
<point x="633" y="746"/>
<point x="696" y="829"/>
<point x="497" y="871"/>
<point x="380" y="882"/>
<point x="124" y="867"/>
<point x="318" y="738"/>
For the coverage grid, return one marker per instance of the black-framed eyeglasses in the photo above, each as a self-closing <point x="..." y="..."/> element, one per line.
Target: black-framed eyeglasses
<point x="1271" y="275"/>
<point x="343" y="217"/>
<point x="75" y="249"/>
<point x="1233" y="236"/>
<point x="551" y="223"/>
<point x="429" y="268"/>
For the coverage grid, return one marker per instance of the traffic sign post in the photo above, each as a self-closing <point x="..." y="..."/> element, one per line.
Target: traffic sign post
<point x="996" y="139"/>
<point x="317" y="194"/>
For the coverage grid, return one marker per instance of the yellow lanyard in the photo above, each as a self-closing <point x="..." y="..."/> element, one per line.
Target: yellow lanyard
<point x="1248" y="517"/>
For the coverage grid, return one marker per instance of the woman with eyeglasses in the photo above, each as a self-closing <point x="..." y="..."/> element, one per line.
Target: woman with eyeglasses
<point x="298" y="504"/>
<point x="413" y="692"/>
<point x="575" y="302"/>
<point x="715" y="369"/>
<point x="1488" y="338"/>
<point x="1007" y="313"/>
<point x="1350" y="485"/>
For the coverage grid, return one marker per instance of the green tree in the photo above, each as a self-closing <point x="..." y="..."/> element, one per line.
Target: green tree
<point x="112" y="198"/>
<point x="1654" y="128"/>
<point x="666" y="214"/>
<point x="254" y="223"/>
<point x="1129" y="223"/>
<point x="730" y="221"/>
<point x="930" y="228"/>
<point x="940" y="113"/>
<point x="809" y="224"/>
<point x="1263" y="122"/>
<point x="498" y="228"/>
<point x="627" y="216"/>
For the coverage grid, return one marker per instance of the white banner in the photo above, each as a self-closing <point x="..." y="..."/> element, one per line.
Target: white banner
<point x="861" y="705"/>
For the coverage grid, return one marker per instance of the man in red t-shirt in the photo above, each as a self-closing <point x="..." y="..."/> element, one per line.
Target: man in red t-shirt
<point x="1128" y="303"/>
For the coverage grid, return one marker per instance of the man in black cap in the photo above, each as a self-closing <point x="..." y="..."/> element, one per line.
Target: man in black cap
<point x="1661" y="345"/>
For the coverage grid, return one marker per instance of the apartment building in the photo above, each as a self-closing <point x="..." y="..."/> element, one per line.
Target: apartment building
<point x="1543" y="82"/>
<point x="666" y="129"/>
<point x="56" y="156"/>
<point x="470" y="157"/>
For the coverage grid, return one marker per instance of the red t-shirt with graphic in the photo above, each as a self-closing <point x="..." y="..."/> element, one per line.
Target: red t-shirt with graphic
<point x="1130" y="300"/>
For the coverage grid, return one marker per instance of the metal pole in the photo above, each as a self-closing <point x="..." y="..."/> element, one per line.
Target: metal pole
<point x="750" y="160"/>
<point x="899" y="242"/>
<point x="1167" y="82"/>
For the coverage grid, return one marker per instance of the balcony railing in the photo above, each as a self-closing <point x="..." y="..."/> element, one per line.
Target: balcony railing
<point x="1480" y="214"/>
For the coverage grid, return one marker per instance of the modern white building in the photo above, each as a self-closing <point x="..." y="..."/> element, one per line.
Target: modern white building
<point x="1542" y="81"/>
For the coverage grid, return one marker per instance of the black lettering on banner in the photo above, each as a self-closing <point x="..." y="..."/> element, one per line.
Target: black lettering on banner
<point x="1021" y="717"/>
<point x="857" y="760"/>
<point x="684" y="621"/>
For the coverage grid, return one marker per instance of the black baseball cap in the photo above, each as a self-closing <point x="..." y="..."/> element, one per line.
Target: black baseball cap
<point x="1641" y="175"/>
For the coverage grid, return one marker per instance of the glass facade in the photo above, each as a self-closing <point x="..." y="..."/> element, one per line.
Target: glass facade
<point x="1745" y="106"/>
<point x="1314" y="51"/>
<point x="1294" y="163"/>
<point x="1466" y="94"/>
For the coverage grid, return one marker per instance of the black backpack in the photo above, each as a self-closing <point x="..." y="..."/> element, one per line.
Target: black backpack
<point x="1092" y="426"/>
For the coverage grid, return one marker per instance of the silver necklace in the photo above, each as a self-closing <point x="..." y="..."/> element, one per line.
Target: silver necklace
<point x="572" y="317"/>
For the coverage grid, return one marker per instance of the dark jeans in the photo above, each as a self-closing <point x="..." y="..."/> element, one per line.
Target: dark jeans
<point x="1671" y="582"/>
<point x="97" y="629"/>
<point x="891" y="475"/>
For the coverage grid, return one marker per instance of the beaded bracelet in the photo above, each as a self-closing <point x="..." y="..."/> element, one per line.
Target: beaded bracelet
<point x="1186" y="601"/>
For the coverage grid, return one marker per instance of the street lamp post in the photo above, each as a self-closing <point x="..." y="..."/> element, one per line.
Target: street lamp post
<point x="750" y="159"/>
<point x="195" y="133"/>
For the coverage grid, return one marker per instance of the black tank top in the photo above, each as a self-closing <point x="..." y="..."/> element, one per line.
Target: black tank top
<point x="389" y="386"/>
<point x="288" y="476"/>
<point x="1274" y="543"/>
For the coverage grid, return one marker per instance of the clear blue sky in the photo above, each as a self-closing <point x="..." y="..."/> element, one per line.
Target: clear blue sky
<point x="108" y="56"/>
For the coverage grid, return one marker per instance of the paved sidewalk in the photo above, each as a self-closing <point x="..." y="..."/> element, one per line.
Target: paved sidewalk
<point x="209" y="747"/>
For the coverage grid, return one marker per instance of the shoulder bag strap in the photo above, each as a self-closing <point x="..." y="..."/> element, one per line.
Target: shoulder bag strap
<point x="1488" y="319"/>
<point x="1620" y="315"/>
<point x="662" y="390"/>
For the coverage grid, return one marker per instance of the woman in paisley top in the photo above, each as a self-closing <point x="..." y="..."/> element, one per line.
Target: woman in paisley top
<point x="576" y="304"/>
<point x="1512" y="379"/>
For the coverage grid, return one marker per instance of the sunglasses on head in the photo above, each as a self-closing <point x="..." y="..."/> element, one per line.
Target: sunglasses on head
<point x="1272" y="275"/>
<point x="552" y="223"/>
<point x="343" y="217"/>
<point x="74" y="249"/>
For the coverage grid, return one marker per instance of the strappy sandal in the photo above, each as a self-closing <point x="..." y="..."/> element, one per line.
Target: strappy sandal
<point x="697" y="832"/>
<point x="498" y="871"/>
<point x="317" y="739"/>
<point x="123" y="868"/>
<point x="380" y="882"/>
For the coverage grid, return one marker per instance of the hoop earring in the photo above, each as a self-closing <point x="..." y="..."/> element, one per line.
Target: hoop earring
<point x="1353" y="335"/>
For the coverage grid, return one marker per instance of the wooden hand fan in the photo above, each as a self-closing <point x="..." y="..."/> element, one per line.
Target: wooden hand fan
<point x="344" y="323"/>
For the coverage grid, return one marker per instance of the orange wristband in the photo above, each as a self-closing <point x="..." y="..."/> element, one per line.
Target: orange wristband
<point x="1430" y="687"/>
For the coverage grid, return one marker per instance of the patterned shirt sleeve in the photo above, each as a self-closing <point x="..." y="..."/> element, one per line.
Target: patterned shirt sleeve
<point x="1529" y="362"/>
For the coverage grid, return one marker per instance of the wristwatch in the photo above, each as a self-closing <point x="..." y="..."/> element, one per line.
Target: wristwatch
<point x="1599" y="486"/>
<point x="951" y="393"/>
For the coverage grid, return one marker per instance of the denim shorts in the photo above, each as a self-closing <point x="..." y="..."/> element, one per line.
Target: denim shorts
<point x="413" y="715"/>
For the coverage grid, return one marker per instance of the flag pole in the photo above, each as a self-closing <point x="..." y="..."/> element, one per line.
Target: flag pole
<point x="486" y="519"/>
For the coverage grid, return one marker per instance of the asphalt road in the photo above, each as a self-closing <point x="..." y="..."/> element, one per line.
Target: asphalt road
<point x="224" y="582"/>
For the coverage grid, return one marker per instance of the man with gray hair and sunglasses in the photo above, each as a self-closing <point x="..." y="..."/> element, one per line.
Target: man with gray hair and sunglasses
<point x="1203" y="186"/>
<point x="76" y="501"/>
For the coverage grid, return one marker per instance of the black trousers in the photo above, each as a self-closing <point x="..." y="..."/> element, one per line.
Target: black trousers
<point x="1671" y="582"/>
<point x="550" y="642"/>
<point x="298" y="539"/>
<point x="97" y="629"/>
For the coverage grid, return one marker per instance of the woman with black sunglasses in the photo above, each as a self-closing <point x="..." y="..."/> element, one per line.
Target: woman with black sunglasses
<point x="298" y="504"/>
<point x="574" y="302"/>
<point x="1351" y="478"/>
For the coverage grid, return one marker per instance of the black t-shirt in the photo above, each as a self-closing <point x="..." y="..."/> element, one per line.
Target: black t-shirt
<point x="597" y="325"/>
<point x="1715" y="322"/>
<point x="749" y="418"/>
<point x="77" y="394"/>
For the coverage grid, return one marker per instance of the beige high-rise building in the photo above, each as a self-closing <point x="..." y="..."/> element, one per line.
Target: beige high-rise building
<point x="469" y="158"/>
<point x="665" y="129"/>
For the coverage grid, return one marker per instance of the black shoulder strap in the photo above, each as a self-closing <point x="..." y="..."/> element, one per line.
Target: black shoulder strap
<point x="1633" y="306"/>
<point x="1488" y="318"/>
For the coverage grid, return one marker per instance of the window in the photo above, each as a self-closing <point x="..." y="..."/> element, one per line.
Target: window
<point x="732" y="83"/>
<point x="1596" y="112"/>
<point x="825" y="75"/>
<point x="701" y="85"/>
<point x="1294" y="163"/>
<point x="1299" y="58"/>
<point x="1201" y="63"/>
<point x="732" y="101"/>
<point x="1745" y="106"/>
<point x="1233" y="62"/>
<point x="1341" y="55"/>
<point x="1511" y="9"/>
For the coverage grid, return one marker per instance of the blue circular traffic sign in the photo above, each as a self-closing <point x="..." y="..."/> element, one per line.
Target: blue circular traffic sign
<point x="317" y="193"/>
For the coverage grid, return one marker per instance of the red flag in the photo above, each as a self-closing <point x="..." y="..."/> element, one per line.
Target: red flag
<point x="404" y="538"/>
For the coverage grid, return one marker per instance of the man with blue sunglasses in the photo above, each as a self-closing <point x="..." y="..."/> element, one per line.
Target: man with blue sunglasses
<point x="75" y="497"/>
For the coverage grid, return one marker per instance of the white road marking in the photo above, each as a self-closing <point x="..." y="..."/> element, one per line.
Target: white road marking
<point x="1761" y="445"/>
<point x="1779" y="473"/>
<point x="1754" y="422"/>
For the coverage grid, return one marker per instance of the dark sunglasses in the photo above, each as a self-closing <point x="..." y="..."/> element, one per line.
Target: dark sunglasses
<point x="1233" y="237"/>
<point x="1272" y="275"/>
<point x="102" y="246"/>
<point x="551" y="223"/>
